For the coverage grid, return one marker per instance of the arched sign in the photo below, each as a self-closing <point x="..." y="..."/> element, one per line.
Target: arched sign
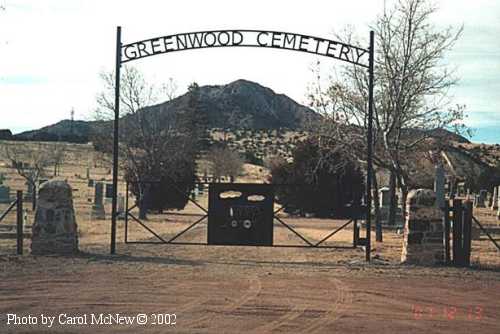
<point x="245" y="38"/>
<point x="358" y="56"/>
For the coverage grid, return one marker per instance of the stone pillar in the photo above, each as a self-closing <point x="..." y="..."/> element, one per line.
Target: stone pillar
<point x="54" y="230"/>
<point x="98" y="207"/>
<point x="423" y="241"/>
<point x="494" y="200"/>
<point x="439" y="185"/>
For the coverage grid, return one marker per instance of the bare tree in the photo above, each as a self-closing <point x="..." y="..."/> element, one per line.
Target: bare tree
<point x="30" y="161"/>
<point x="153" y="145"/>
<point x="411" y="85"/>
<point x="224" y="162"/>
<point x="56" y="156"/>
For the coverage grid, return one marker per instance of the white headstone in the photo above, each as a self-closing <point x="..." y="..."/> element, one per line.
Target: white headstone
<point x="439" y="185"/>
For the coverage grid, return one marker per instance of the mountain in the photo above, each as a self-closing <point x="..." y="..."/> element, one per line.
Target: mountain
<point x="65" y="130"/>
<point x="239" y="104"/>
<point x="243" y="104"/>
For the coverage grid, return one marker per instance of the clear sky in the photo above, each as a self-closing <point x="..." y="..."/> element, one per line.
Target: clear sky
<point x="51" y="52"/>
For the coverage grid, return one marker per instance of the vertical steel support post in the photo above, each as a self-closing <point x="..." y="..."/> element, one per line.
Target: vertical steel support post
<point x="369" y="150"/>
<point x="20" y="222"/>
<point x="467" y="233"/>
<point x="126" y="213"/>
<point x="115" y="138"/>
<point x="447" y="229"/>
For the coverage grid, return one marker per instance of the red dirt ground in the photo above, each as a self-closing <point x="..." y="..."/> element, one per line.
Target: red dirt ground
<point x="247" y="289"/>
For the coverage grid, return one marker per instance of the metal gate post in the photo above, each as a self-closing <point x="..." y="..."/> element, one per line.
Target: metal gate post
<point x="115" y="139"/>
<point x="467" y="233"/>
<point x="457" y="232"/>
<point x="126" y="212"/>
<point x="369" y="139"/>
<point x="446" y="221"/>
<point x="355" y="231"/>
<point x="20" y="222"/>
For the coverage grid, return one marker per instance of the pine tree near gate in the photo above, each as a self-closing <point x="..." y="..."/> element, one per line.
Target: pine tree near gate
<point x="317" y="182"/>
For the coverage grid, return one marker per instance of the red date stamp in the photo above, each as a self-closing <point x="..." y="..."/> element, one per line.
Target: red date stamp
<point x="447" y="312"/>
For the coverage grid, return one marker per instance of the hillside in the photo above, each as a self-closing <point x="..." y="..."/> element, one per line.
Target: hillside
<point x="239" y="104"/>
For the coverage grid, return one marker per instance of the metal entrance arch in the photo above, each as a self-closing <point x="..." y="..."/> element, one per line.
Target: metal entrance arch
<point x="358" y="56"/>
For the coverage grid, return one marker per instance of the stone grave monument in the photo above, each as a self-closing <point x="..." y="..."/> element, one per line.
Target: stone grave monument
<point x="29" y="191"/>
<point x="120" y="207"/>
<point x="98" y="206"/>
<point x="423" y="241"/>
<point x="494" y="200"/>
<point x="108" y="194"/>
<point x="54" y="229"/>
<point x="481" y="199"/>
<point x="384" y="203"/>
<point x="439" y="182"/>
<point x="4" y="191"/>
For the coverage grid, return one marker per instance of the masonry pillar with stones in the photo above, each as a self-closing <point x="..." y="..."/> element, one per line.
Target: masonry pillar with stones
<point x="423" y="241"/>
<point x="98" y="207"/>
<point x="54" y="230"/>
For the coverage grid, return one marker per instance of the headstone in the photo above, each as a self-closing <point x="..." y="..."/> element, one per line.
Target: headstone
<point x="120" y="209"/>
<point x="439" y="185"/>
<point x="384" y="197"/>
<point x="29" y="191"/>
<point x="423" y="241"/>
<point x="384" y="203"/>
<point x="498" y="204"/>
<point x="460" y="189"/>
<point x="109" y="190"/>
<point x="98" y="207"/>
<point x="480" y="203"/>
<point x="494" y="200"/>
<point x="4" y="194"/>
<point x="54" y="230"/>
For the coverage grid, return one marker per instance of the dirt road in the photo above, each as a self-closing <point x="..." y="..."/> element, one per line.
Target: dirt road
<point x="245" y="290"/>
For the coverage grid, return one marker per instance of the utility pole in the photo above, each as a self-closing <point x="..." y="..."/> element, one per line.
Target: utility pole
<point x="72" y="120"/>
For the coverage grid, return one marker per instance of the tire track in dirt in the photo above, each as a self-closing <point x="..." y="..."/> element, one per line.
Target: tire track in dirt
<point x="295" y="312"/>
<point x="255" y="286"/>
<point x="343" y="297"/>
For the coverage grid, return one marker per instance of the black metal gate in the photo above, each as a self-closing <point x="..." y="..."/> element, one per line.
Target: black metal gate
<point x="242" y="214"/>
<point x="363" y="57"/>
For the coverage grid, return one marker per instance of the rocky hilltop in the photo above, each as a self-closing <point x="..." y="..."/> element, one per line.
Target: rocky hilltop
<point x="239" y="104"/>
